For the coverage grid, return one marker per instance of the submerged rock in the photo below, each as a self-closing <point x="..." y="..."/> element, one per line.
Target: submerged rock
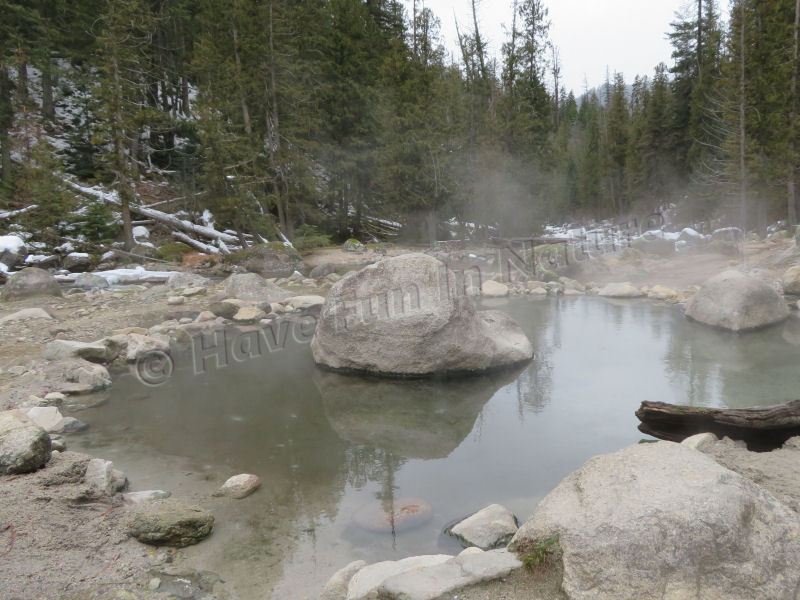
<point x="24" y="446"/>
<point x="490" y="527"/>
<point x="170" y="523"/>
<point x="735" y="301"/>
<point x="401" y="514"/>
<point x="662" y="520"/>
<point x="406" y="316"/>
<point x="30" y="282"/>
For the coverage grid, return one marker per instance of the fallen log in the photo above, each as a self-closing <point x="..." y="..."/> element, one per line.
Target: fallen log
<point x="761" y="427"/>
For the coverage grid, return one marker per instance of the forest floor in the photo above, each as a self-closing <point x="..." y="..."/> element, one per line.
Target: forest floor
<point x="54" y="547"/>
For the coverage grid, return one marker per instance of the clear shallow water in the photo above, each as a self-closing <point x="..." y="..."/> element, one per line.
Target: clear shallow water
<point x="325" y="444"/>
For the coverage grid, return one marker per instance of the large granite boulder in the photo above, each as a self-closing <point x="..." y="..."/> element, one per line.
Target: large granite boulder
<point x="30" y="282"/>
<point x="791" y="281"/>
<point x="655" y="521"/>
<point x="253" y="287"/>
<point x="407" y="316"/>
<point x="24" y="446"/>
<point x="269" y="260"/>
<point x="735" y="301"/>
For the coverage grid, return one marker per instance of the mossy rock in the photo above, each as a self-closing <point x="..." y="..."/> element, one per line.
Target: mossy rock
<point x="272" y="259"/>
<point x="353" y="245"/>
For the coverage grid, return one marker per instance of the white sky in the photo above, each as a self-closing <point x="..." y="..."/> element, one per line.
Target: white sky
<point x="627" y="36"/>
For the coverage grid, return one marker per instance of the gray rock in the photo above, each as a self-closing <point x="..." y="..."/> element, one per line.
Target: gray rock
<point x="621" y="290"/>
<point x="700" y="441"/>
<point x="732" y="300"/>
<point x="137" y="345"/>
<point x="791" y="281"/>
<point x="430" y="577"/>
<point x="406" y="316"/>
<point x="100" y="351"/>
<point x="170" y="523"/>
<point x="336" y="587"/>
<point x="175" y="300"/>
<point x="249" y="314"/>
<point x="224" y="309"/>
<point x="269" y="260"/>
<point x="76" y="262"/>
<point x="490" y="527"/>
<point x="30" y="282"/>
<point x="93" y="376"/>
<point x="26" y="314"/>
<point x="322" y="270"/>
<point x="494" y="289"/>
<point x="24" y="446"/>
<point x="102" y="478"/>
<point x="240" y="486"/>
<point x="253" y="287"/>
<point x="662" y="520"/>
<point x="90" y="281"/>
<point x="181" y="280"/>
<point x="48" y="418"/>
<point x="310" y="303"/>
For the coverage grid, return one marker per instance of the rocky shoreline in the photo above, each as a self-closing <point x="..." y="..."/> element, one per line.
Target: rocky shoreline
<point x="60" y="352"/>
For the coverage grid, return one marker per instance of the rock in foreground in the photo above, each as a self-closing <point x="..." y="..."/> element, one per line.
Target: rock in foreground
<point x="24" y="446"/>
<point x="30" y="282"/>
<point x="665" y="521"/>
<point x="734" y="301"/>
<point x="420" y="577"/>
<point x="407" y="316"/>
<point x="491" y="527"/>
<point x="171" y="523"/>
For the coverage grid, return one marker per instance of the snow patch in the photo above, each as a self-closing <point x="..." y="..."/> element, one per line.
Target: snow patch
<point x="118" y="276"/>
<point x="141" y="232"/>
<point x="35" y="259"/>
<point x="12" y="243"/>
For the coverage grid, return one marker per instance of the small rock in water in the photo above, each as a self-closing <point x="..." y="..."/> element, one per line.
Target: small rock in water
<point x="145" y="496"/>
<point x="170" y="523"/>
<point x="403" y="514"/>
<point x="491" y="527"/>
<point x="240" y="486"/>
<point x="101" y="477"/>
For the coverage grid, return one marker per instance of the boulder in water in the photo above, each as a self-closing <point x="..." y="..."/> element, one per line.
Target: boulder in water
<point x="408" y="316"/>
<point x="735" y="301"/>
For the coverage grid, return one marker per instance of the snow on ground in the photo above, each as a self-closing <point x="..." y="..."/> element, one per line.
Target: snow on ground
<point x="120" y="276"/>
<point x="3" y="268"/>
<point x="35" y="259"/>
<point x="12" y="243"/>
<point x="141" y="232"/>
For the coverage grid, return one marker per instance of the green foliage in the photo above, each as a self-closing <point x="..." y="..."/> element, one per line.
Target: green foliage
<point x="307" y="237"/>
<point x="38" y="182"/>
<point x="173" y="251"/>
<point x="541" y="554"/>
<point x="97" y="223"/>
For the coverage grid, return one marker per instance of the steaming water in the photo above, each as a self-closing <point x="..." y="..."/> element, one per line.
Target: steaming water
<point x="326" y="444"/>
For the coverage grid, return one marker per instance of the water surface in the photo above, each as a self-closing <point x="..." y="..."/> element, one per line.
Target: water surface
<point x="325" y="444"/>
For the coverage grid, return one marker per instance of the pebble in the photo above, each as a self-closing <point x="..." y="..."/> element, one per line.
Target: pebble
<point x="154" y="584"/>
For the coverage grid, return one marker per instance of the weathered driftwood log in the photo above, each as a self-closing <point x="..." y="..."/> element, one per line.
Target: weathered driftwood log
<point x="762" y="427"/>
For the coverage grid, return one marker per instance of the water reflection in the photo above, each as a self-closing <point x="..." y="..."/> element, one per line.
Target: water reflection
<point x="411" y="418"/>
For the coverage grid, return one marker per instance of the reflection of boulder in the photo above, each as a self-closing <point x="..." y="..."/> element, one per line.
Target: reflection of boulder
<point x="410" y="418"/>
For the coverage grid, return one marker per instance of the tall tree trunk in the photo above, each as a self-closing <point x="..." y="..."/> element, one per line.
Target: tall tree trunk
<point x="6" y="121"/>
<point x="126" y="194"/>
<point x="245" y="112"/>
<point x="48" y="105"/>
<point x="791" y="193"/>
<point x="742" y="126"/>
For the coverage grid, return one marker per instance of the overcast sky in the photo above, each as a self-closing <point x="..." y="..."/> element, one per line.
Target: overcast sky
<point x="627" y="36"/>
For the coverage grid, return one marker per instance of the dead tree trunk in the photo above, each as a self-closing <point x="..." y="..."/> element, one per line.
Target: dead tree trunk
<point x="762" y="427"/>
